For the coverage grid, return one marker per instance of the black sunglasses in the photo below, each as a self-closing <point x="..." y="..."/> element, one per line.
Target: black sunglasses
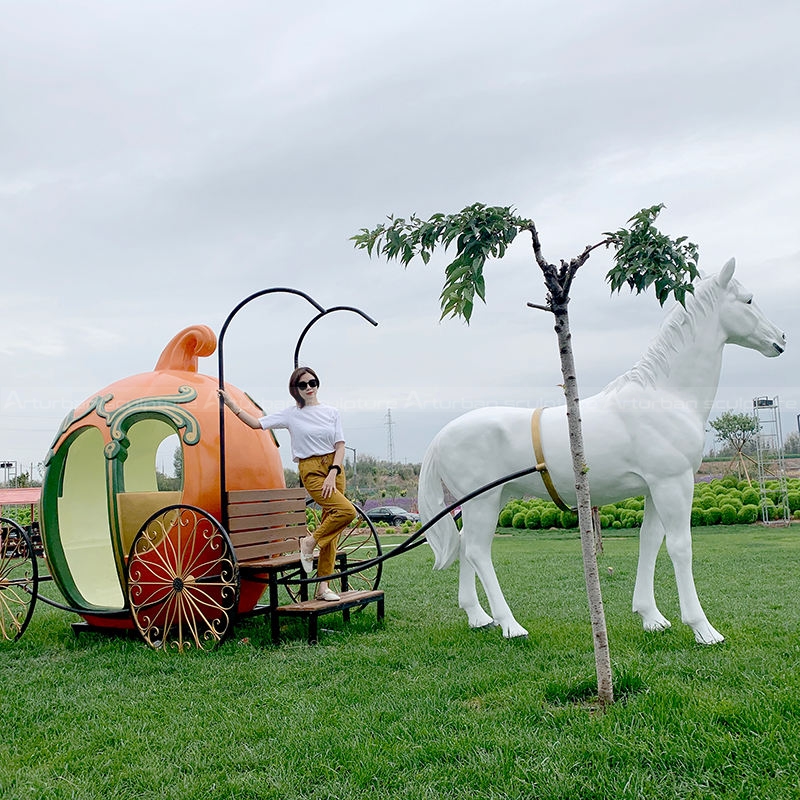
<point x="302" y="385"/>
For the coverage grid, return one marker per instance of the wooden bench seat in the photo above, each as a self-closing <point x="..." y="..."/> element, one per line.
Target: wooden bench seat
<point x="265" y="527"/>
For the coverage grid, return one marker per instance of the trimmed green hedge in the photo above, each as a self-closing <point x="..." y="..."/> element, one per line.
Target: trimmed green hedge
<point x="725" y="501"/>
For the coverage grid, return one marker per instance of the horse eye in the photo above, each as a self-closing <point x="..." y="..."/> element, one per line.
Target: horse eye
<point x="749" y="300"/>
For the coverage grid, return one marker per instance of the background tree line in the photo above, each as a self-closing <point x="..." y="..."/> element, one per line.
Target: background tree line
<point x="370" y="478"/>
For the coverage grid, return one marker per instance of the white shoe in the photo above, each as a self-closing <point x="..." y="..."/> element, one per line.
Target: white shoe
<point x="307" y="556"/>
<point x="327" y="595"/>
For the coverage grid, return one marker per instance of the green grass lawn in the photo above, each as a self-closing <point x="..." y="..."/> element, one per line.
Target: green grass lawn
<point x="422" y="707"/>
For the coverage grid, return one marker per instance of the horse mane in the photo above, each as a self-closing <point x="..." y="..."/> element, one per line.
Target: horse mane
<point x="678" y="328"/>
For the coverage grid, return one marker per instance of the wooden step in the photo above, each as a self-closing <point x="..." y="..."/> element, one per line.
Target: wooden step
<point x="347" y="599"/>
<point x="313" y="609"/>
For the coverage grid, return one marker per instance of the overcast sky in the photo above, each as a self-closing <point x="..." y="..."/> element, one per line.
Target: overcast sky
<point x="160" y="161"/>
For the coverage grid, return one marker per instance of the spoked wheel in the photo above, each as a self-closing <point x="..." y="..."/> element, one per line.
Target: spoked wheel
<point x="19" y="580"/>
<point x="183" y="580"/>
<point x="358" y="544"/>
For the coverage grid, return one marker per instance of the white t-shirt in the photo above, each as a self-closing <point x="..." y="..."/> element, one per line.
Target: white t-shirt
<point x="315" y="430"/>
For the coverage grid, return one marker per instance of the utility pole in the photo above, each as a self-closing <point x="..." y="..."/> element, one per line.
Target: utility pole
<point x="389" y="436"/>
<point x="9" y="465"/>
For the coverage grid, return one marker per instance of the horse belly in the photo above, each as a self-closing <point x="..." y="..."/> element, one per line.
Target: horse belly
<point x="628" y="445"/>
<point x="611" y="453"/>
<point x="483" y="445"/>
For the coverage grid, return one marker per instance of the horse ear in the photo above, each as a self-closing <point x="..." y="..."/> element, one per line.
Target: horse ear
<point x="726" y="273"/>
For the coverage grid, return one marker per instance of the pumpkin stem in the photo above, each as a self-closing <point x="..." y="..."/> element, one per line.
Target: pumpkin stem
<point x="185" y="347"/>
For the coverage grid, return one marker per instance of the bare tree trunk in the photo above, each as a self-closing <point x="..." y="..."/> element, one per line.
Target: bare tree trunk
<point x="605" y="688"/>
<point x="597" y="529"/>
<point x="558" y="282"/>
<point x="744" y="466"/>
<point x="729" y="469"/>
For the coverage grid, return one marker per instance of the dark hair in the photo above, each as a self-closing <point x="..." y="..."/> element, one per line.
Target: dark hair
<point x="293" y="378"/>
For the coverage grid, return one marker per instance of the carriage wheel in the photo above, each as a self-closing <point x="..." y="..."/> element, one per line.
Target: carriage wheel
<point x="19" y="579"/>
<point x="183" y="580"/>
<point x="358" y="543"/>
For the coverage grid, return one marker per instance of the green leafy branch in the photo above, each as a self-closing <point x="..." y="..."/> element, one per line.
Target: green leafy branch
<point x="480" y="232"/>
<point x="643" y="255"/>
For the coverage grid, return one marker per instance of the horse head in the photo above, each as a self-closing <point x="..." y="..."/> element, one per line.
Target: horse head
<point x="742" y="320"/>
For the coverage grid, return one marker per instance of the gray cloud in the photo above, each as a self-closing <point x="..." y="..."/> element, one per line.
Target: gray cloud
<point x="159" y="162"/>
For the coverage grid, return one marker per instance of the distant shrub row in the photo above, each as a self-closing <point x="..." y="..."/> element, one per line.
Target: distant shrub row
<point x="725" y="501"/>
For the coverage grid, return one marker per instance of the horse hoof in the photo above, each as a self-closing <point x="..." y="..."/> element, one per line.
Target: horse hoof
<point x="656" y="625"/>
<point x="653" y="621"/>
<point x="514" y="631"/>
<point x="707" y="635"/>
<point x="480" y="620"/>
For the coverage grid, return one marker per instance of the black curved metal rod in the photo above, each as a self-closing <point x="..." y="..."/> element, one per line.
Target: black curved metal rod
<point x="239" y="307"/>
<point x="101" y="612"/>
<point x="411" y="542"/>
<point x="318" y="318"/>
<point x="221" y="379"/>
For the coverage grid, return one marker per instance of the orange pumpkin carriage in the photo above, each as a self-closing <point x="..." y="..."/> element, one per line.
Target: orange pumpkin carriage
<point x="172" y="564"/>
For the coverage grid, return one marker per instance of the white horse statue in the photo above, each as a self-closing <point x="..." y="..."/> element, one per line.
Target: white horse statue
<point x="643" y="435"/>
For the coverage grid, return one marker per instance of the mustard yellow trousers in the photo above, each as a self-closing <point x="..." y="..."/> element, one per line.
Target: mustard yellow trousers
<point x="337" y="511"/>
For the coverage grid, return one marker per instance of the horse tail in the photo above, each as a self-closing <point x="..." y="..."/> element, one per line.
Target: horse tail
<point x="443" y="536"/>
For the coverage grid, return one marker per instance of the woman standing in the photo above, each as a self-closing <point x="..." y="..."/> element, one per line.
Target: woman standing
<point x="318" y="448"/>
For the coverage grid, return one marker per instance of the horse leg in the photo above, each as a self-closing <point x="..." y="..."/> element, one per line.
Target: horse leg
<point x="672" y="499"/>
<point x="644" y="598"/>
<point x="480" y="523"/>
<point x="468" y="594"/>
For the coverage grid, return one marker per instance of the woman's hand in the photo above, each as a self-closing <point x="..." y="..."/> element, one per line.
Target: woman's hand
<point x="248" y="419"/>
<point x="227" y="399"/>
<point x="329" y="484"/>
